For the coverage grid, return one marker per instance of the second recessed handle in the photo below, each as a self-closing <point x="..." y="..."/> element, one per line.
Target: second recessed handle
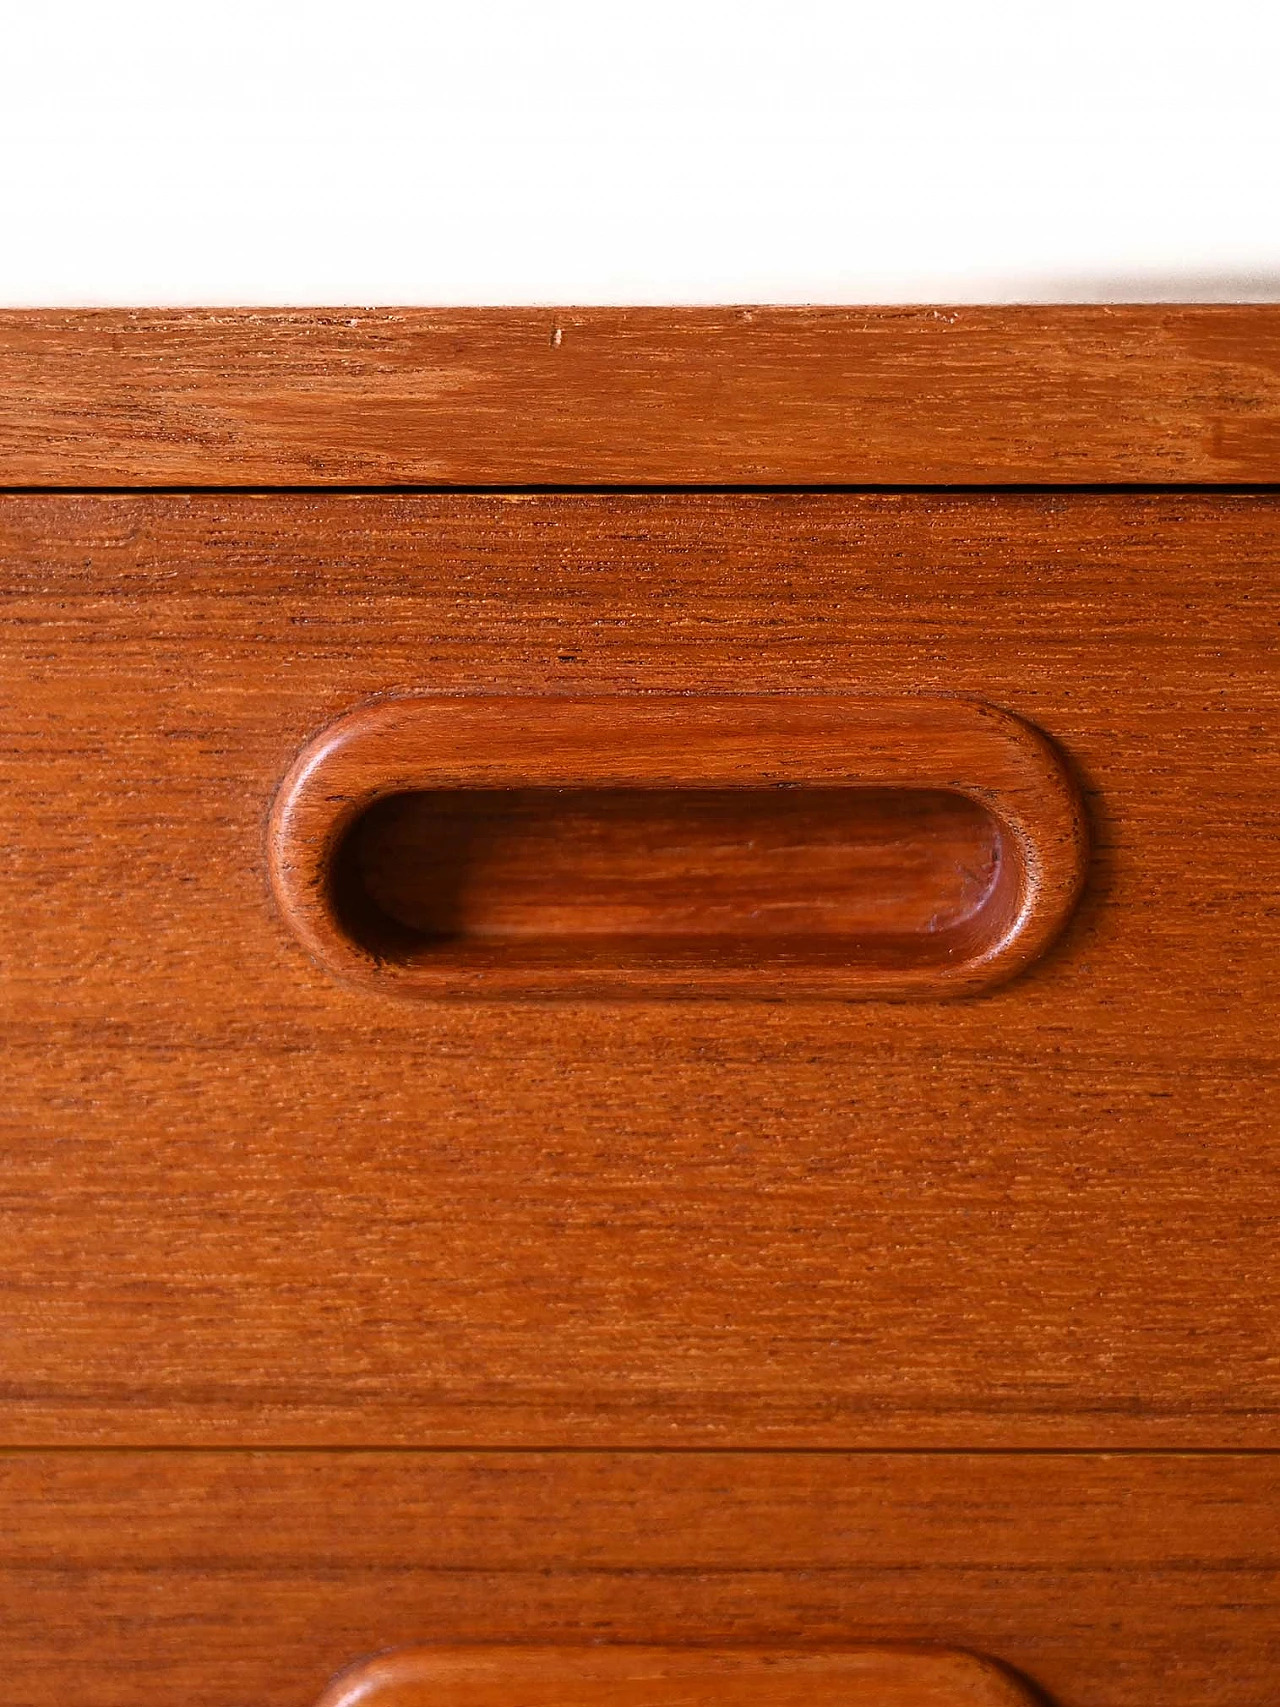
<point x="892" y="1675"/>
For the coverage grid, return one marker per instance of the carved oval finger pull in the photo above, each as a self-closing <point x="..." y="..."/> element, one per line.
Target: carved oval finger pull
<point x="888" y="1676"/>
<point x="752" y="846"/>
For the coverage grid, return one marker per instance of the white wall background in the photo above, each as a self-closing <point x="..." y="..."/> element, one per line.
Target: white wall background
<point x="156" y="151"/>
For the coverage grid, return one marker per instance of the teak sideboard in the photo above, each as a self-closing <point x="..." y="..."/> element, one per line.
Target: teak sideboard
<point x="640" y="962"/>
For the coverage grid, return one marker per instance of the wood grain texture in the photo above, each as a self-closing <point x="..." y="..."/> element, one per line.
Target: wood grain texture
<point x="705" y="867"/>
<point x="783" y="396"/>
<point x="764" y="751"/>
<point x="647" y="1676"/>
<point x="242" y="1203"/>
<point x="249" y="1579"/>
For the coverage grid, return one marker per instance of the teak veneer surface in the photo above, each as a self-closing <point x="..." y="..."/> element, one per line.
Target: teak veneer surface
<point x="635" y="396"/>
<point x="248" y="1579"/>
<point x="245" y="1203"/>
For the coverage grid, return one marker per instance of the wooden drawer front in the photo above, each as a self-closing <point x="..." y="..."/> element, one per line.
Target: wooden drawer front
<point x="245" y="1202"/>
<point x="227" y="1579"/>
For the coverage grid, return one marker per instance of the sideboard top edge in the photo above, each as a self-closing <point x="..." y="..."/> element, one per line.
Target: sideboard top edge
<point x="1156" y="394"/>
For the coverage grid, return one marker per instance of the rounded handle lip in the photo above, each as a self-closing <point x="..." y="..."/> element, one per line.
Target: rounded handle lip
<point x="409" y="742"/>
<point x="867" y="1674"/>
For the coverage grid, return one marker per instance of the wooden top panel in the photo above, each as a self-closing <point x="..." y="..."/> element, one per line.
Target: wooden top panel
<point x="657" y="396"/>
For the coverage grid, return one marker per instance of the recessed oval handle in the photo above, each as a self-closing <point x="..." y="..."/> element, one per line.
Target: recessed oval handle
<point x="657" y="846"/>
<point x="892" y="1675"/>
